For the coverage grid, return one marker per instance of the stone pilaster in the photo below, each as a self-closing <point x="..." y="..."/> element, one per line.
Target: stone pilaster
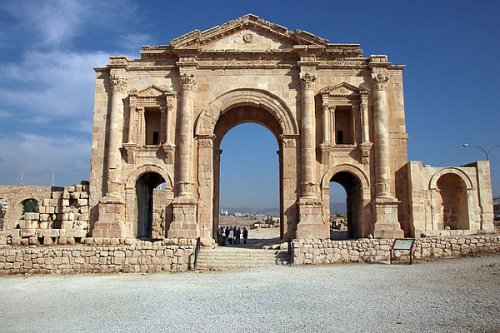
<point x="385" y="204"/>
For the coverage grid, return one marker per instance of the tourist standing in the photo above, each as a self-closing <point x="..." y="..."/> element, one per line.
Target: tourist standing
<point x="231" y="236"/>
<point x="238" y="236"/>
<point x="245" y="235"/>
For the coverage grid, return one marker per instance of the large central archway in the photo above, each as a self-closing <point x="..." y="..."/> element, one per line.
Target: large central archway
<point x="229" y="110"/>
<point x="228" y="121"/>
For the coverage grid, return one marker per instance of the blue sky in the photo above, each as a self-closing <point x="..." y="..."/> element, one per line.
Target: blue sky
<point x="48" y="49"/>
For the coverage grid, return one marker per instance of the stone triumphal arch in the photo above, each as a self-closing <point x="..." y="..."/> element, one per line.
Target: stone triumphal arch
<point x="336" y="115"/>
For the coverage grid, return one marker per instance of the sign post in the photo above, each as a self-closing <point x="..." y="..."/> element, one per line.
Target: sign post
<point x="403" y="244"/>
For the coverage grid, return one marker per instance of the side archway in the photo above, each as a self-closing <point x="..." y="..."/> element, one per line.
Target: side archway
<point x="356" y="185"/>
<point x="467" y="181"/>
<point x="148" y="211"/>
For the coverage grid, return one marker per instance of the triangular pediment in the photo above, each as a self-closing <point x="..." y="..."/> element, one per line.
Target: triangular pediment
<point x="151" y="91"/>
<point x="343" y="89"/>
<point x="248" y="32"/>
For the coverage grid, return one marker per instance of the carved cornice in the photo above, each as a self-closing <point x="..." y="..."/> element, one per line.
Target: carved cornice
<point x="307" y="81"/>
<point x="188" y="81"/>
<point x="118" y="83"/>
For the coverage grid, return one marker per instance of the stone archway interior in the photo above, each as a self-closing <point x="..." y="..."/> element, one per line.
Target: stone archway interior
<point x="228" y="120"/>
<point x="145" y="186"/>
<point x="354" y="204"/>
<point x="453" y="202"/>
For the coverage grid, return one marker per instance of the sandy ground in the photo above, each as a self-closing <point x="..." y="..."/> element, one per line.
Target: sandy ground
<point x="453" y="295"/>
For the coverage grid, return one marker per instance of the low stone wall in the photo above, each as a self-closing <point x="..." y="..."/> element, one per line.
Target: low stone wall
<point x="317" y="252"/>
<point x="144" y="257"/>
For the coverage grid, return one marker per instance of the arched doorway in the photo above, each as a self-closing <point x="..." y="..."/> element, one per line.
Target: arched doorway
<point x="353" y="205"/>
<point x="146" y="196"/>
<point x="249" y="183"/>
<point x="233" y="117"/>
<point x="453" y="203"/>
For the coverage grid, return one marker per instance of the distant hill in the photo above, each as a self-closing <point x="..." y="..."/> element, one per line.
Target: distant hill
<point x="335" y="207"/>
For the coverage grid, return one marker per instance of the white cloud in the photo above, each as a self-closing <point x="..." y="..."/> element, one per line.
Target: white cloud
<point x="49" y="86"/>
<point x="36" y="155"/>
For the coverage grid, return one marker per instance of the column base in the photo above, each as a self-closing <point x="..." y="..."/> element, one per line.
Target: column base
<point x="386" y="217"/>
<point x="184" y="219"/>
<point x="111" y="219"/>
<point x="311" y="225"/>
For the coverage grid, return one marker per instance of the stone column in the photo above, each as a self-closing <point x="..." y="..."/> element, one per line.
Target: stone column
<point x="326" y="123"/>
<point x="385" y="204"/>
<point x="141" y="127"/>
<point x="185" y="181"/>
<point x="111" y="220"/>
<point x="184" y="207"/>
<point x="308" y="137"/>
<point x="381" y="129"/>
<point x="118" y="85"/>
<point x="310" y="207"/>
<point x="365" y="120"/>
<point x="131" y="123"/>
<point x="366" y="145"/>
<point x="163" y="124"/>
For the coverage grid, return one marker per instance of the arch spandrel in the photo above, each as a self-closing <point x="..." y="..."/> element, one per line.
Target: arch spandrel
<point x="208" y="118"/>
<point x="137" y="173"/>
<point x="465" y="178"/>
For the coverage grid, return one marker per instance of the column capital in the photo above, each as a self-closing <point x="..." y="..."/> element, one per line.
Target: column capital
<point x="169" y="100"/>
<point x="380" y="79"/>
<point x="118" y="83"/>
<point x="206" y="141"/>
<point x="307" y="81"/>
<point x="188" y="81"/>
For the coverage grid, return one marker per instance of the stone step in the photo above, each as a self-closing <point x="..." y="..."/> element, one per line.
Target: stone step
<point x="221" y="258"/>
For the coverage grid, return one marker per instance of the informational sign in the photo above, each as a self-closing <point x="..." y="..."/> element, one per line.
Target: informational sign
<point x="403" y="244"/>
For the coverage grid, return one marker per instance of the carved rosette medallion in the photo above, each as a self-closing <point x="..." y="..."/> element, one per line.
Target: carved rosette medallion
<point x="188" y="82"/>
<point x="118" y="83"/>
<point x="307" y="81"/>
<point x="248" y="38"/>
<point x="379" y="80"/>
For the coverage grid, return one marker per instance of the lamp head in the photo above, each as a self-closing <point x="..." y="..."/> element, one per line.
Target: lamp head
<point x="465" y="145"/>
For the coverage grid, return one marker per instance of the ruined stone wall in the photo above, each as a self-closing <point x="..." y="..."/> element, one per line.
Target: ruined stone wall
<point x="61" y="214"/>
<point x="426" y="207"/>
<point x="132" y="257"/>
<point x="317" y="252"/>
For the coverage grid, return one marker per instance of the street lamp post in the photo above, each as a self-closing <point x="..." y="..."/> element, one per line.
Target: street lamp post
<point x="486" y="152"/>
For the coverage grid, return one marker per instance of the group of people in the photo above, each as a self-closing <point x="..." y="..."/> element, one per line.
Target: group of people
<point x="232" y="235"/>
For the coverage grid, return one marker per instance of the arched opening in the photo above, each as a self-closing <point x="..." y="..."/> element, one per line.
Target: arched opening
<point x="452" y="200"/>
<point x="352" y="227"/>
<point x="247" y="186"/>
<point x="150" y="190"/>
<point x="30" y="206"/>
<point x="338" y="210"/>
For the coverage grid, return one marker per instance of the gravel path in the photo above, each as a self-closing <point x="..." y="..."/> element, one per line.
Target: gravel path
<point x="456" y="295"/>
